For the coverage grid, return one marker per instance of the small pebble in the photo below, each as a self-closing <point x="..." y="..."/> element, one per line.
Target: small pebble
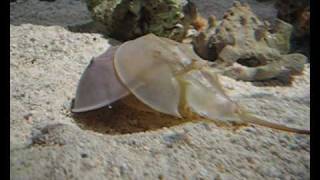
<point x="67" y="105"/>
<point x="84" y="155"/>
<point x="123" y="169"/>
<point x="160" y="177"/>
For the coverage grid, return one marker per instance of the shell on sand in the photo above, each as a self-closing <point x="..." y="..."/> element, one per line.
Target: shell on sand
<point x="164" y="75"/>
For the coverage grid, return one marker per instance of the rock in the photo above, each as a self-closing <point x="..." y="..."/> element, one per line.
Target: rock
<point x="265" y="10"/>
<point x="246" y="48"/>
<point x="125" y="20"/>
<point x="297" y="13"/>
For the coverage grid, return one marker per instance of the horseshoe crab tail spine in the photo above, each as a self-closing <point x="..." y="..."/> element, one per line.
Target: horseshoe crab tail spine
<point x="256" y="120"/>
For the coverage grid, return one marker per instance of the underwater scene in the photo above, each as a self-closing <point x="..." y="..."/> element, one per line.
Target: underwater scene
<point x="160" y="89"/>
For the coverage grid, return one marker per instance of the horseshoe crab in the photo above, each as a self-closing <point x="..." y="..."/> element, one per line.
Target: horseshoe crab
<point x="165" y="76"/>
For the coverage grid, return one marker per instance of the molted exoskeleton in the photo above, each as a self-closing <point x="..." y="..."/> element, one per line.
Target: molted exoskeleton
<point x="164" y="75"/>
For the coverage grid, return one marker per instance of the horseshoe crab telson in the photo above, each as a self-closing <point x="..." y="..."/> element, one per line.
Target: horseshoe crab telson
<point x="166" y="76"/>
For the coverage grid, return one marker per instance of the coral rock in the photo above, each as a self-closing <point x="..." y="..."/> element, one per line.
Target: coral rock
<point x="129" y="19"/>
<point x="247" y="48"/>
<point x="296" y="12"/>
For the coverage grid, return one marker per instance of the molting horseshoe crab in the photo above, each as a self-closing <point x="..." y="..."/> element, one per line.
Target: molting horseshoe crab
<point x="164" y="75"/>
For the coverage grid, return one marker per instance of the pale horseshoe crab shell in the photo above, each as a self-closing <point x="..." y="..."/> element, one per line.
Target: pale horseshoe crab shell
<point x="166" y="76"/>
<point x="99" y="84"/>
